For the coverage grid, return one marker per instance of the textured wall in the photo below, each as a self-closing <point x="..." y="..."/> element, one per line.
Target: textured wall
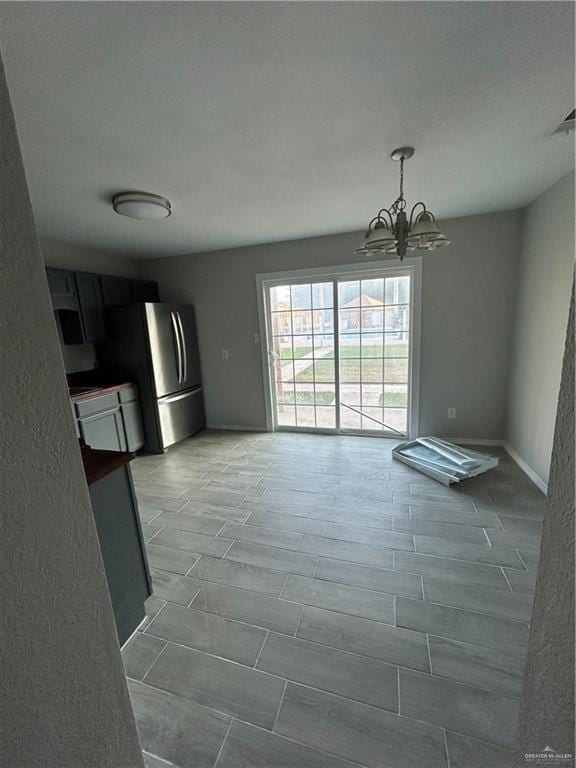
<point x="63" y="696"/>
<point x="547" y="715"/>
<point x="468" y="294"/>
<point x="544" y="280"/>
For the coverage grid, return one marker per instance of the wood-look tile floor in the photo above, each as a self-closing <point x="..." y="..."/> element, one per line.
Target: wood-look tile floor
<point x="319" y="605"/>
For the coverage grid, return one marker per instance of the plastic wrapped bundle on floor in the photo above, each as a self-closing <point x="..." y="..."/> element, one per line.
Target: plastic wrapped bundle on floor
<point x="445" y="462"/>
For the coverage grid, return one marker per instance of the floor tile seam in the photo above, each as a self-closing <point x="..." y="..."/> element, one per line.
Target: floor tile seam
<point x="463" y="684"/>
<point x="290" y="739"/>
<point x="217" y="760"/>
<point x="149" y="541"/>
<point x="477" y="562"/>
<point x="467" y="610"/>
<point x="190" y="607"/>
<point x="446" y="751"/>
<point x="157" y="655"/>
<point x="190" y="575"/>
<point x="367" y="589"/>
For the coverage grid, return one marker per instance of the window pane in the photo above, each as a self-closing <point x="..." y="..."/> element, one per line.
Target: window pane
<point x="349" y="321"/>
<point x="395" y="396"/>
<point x="324" y="370"/>
<point x="372" y="318"/>
<point x="280" y="298"/>
<point x="281" y="323"/>
<point x="323" y="346"/>
<point x="398" y="290"/>
<point x="372" y="344"/>
<point x="372" y="418"/>
<point x="349" y="369"/>
<point x="371" y="396"/>
<point x="305" y="416"/>
<point x="350" y="345"/>
<point x="396" y="370"/>
<point x="371" y="369"/>
<point x="282" y="346"/>
<point x="349" y="294"/>
<point x="286" y="415"/>
<point x="302" y="346"/>
<point x="396" y="344"/>
<point x="304" y="369"/>
<point x="326" y="417"/>
<point x="372" y="292"/>
<point x="396" y="418"/>
<point x="349" y="419"/>
<point x="322" y="295"/>
<point x="397" y="318"/>
<point x="301" y="296"/>
<point x="325" y="394"/>
<point x="350" y="394"/>
<point x="302" y="321"/>
<point x="323" y="320"/>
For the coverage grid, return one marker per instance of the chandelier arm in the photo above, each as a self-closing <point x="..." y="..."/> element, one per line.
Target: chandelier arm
<point x="424" y="210"/>
<point x="387" y="212"/>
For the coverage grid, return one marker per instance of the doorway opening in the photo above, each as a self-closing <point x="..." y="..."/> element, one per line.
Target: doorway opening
<point x="340" y="350"/>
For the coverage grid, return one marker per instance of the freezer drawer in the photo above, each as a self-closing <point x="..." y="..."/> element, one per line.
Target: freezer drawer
<point x="180" y="415"/>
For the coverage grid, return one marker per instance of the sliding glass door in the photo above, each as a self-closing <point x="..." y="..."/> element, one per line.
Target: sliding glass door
<point x="339" y="352"/>
<point x="302" y="354"/>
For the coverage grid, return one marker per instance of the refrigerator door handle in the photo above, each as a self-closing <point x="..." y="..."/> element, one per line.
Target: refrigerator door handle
<point x="178" y="345"/>
<point x="177" y="398"/>
<point x="184" y="352"/>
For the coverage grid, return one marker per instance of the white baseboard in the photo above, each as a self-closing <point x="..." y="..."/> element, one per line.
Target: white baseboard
<point x="235" y="428"/>
<point x="526" y="468"/>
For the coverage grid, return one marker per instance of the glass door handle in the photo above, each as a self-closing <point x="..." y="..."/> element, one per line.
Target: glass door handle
<point x="272" y="357"/>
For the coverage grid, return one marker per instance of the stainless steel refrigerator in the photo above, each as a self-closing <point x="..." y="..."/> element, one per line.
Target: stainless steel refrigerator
<point x="156" y="345"/>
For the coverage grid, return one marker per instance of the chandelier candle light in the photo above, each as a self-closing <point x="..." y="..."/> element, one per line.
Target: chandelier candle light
<point x="392" y="232"/>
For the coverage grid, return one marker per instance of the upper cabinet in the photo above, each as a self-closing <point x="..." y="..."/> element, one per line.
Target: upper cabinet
<point x="91" y="301"/>
<point x="145" y="290"/>
<point x="81" y="298"/>
<point x="118" y="291"/>
<point x="62" y="288"/>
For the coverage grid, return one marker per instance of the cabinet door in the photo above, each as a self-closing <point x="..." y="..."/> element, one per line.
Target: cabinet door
<point x="91" y="306"/>
<point x="117" y="291"/>
<point x="62" y="288"/>
<point x="132" y="425"/>
<point x="104" y="431"/>
<point x="122" y="546"/>
<point x="145" y="290"/>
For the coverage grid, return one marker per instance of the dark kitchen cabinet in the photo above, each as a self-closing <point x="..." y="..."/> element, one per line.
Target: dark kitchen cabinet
<point x="104" y="430"/>
<point x="122" y="546"/>
<point x="62" y="289"/>
<point x="91" y="299"/>
<point x="117" y="291"/>
<point x="145" y="290"/>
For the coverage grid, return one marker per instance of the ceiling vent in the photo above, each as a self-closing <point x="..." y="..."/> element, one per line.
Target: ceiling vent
<point x="567" y="125"/>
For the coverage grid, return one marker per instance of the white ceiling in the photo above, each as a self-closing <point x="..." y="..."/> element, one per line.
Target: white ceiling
<point x="271" y="121"/>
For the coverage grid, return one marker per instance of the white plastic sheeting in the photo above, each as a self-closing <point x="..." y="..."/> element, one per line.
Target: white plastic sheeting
<point x="445" y="462"/>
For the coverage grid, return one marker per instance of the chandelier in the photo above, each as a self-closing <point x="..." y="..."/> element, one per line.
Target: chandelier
<point x="392" y="232"/>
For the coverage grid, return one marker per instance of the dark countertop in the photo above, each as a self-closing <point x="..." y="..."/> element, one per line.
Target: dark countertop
<point x="96" y="390"/>
<point x="98" y="464"/>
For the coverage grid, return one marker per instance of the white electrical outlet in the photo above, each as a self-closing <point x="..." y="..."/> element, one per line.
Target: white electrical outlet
<point x="451" y="413"/>
<point x="224" y="354"/>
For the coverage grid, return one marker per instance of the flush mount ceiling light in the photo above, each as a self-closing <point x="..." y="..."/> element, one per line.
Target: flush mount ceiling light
<point x="141" y="205"/>
<point x="392" y="232"/>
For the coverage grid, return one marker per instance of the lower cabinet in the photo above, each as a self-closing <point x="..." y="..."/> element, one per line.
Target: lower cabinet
<point x="104" y="431"/>
<point x="122" y="547"/>
<point x="111" y="421"/>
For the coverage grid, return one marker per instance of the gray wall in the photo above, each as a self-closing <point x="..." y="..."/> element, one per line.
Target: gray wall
<point x="545" y="276"/>
<point x="82" y="357"/>
<point x="468" y="295"/>
<point x="547" y="713"/>
<point x="64" y="702"/>
<point x="69" y="256"/>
